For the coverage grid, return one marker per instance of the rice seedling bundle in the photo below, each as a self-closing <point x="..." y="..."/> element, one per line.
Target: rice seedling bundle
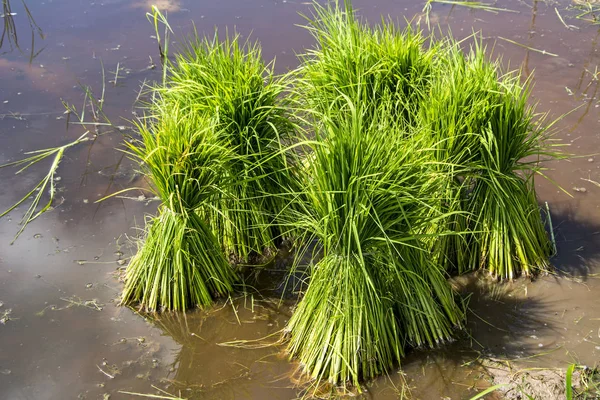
<point x="228" y="83"/>
<point x="421" y="163"/>
<point x="489" y="142"/>
<point x="373" y="291"/>
<point x="179" y="263"/>
<point x="213" y="149"/>
<point x="355" y="59"/>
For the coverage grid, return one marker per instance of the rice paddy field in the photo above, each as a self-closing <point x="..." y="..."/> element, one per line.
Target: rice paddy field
<point x="279" y="199"/>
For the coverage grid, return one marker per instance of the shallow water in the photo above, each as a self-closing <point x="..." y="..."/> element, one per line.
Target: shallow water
<point x="65" y="337"/>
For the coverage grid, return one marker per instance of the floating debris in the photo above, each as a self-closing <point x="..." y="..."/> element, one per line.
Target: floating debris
<point x="6" y="316"/>
<point x="105" y="373"/>
<point x="76" y="301"/>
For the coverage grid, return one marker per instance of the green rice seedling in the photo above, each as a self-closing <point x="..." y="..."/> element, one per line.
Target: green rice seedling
<point x="355" y="59"/>
<point x="228" y="83"/>
<point x="373" y="291"/>
<point x="454" y="112"/>
<point x="46" y="184"/>
<point x="179" y="263"/>
<point x="504" y="201"/>
<point x="489" y="142"/>
<point x="589" y="10"/>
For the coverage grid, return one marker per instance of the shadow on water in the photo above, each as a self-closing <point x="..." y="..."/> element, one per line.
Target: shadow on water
<point x="242" y="340"/>
<point x="577" y="243"/>
<point x="503" y="325"/>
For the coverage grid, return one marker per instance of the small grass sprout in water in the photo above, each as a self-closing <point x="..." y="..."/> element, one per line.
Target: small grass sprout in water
<point x="46" y="184"/>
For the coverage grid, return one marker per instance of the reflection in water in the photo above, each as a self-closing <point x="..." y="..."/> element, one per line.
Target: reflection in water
<point x="240" y="342"/>
<point x="549" y="312"/>
<point x="593" y="83"/>
<point x="162" y="5"/>
<point x="532" y="32"/>
<point x="9" y="30"/>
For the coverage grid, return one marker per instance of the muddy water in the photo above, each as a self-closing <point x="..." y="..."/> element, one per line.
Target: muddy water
<point x="65" y="338"/>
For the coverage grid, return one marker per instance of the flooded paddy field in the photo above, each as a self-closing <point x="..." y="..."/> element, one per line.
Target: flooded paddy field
<point x="62" y="335"/>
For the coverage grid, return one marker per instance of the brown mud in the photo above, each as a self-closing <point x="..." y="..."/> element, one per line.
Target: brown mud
<point x="62" y="334"/>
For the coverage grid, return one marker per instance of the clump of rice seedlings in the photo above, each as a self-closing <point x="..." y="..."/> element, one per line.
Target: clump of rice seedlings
<point x="452" y="115"/>
<point x="213" y="148"/>
<point x="355" y="59"/>
<point x="228" y="83"/>
<point x="488" y="141"/>
<point x="504" y="201"/>
<point x="373" y="291"/>
<point x="179" y="263"/>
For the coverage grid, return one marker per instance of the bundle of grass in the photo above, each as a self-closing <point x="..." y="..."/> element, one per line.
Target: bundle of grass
<point x="489" y="142"/>
<point x="455" y="111"/>
<point x="504" y="201"/>
<point x="228" y="83"/>
<point x="356" y="59"/>
<point x="179" y="263"/>
<point x="374" y="290"/>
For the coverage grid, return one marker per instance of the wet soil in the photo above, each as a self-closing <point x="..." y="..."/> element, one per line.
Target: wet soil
<point x="62" y="336"/>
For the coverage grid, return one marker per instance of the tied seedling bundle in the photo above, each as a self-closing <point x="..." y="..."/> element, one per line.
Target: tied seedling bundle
<point x="374" y="290"/>
<point x="489" y="142"/>
<point x="360" y="61"/>
<point x="179" y="263"/>
<point x="212" y="148"/>
<point x="370" y="192"/>
<point x="229" y="84"/>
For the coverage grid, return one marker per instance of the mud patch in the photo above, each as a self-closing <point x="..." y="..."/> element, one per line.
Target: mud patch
<point x="541" y="383"/>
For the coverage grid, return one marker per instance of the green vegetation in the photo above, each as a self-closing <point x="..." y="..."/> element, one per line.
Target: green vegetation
<point x="374" y="290"/>
<point x="212" y="147"/>
<point x="421" y="162"/>
<point x="587" y="10"/>
<point x="228" y="83"/>
<point x="489" y="143"/>
<point x="363" y="63"/>
<point x="46" y="184"/>
<point x="372" y="186"/>
<point x="179" y="263"/>
<point x="587" y="384"/>
<point x="397" y="158"/>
